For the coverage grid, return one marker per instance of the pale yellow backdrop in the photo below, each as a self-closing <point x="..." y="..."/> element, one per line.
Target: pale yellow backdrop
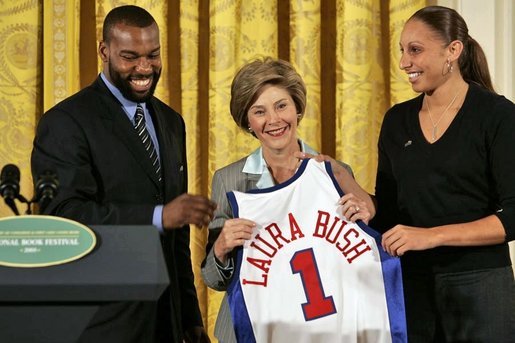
<point x="39" y="66"/>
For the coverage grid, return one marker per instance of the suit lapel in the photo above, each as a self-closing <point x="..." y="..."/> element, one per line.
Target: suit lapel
<point x="172" y="164"/>
<point x="251" y="181"/>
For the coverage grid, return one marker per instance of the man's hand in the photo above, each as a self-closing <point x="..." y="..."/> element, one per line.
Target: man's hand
<point x="188" y="209"/>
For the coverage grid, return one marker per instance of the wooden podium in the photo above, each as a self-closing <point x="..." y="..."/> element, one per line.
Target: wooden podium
<point x="55" y="304"/>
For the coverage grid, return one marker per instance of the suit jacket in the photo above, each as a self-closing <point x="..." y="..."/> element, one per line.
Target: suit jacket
<point x="106" y="177"/>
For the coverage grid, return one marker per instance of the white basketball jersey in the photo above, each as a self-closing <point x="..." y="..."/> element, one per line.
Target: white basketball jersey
<point x="308" y="274"/>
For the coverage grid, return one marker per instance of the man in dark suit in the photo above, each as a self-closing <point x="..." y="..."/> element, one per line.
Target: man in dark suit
<point x="109" y="176"/>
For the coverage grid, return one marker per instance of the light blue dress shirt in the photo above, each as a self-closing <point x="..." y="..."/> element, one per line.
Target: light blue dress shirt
<point x="256" y="164"/>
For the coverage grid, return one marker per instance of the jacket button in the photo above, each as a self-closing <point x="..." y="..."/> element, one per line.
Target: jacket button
<point x="159" y="198"/>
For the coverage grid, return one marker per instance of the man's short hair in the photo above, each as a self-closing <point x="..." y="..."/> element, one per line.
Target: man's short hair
<point x="128" y="15"/>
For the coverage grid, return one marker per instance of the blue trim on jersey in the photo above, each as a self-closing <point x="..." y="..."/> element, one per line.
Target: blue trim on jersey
<point x="241" y="323"/>
<point x="392" y="277"/>
<point x="329" y="170"/>
<point x="288" y="182"/>
<point x="234" y="204"/>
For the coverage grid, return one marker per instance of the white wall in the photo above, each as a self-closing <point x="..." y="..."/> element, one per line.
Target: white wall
<point x="491" y="23"/>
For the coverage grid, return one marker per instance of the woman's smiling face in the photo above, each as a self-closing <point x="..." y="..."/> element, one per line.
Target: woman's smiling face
<point x="424" y="56"/>
<point x="273" y="118"/>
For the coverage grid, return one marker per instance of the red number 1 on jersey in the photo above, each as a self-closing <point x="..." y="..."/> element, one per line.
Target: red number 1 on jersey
<point x="317" y="305"/>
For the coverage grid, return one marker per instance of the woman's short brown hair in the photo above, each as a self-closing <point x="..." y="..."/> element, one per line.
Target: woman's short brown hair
<point x="250" y="79"/>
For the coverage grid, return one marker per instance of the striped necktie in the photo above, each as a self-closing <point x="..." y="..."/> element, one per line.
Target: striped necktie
<point x="141" y="129"/>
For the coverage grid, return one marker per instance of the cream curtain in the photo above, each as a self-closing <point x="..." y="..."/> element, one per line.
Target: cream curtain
<point x="61" y="33"/>
<point x="346" y="51"/>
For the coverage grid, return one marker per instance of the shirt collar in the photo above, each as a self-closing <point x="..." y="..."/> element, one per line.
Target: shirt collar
<point x="255" y="164"/>
<point x="128" y="105"/>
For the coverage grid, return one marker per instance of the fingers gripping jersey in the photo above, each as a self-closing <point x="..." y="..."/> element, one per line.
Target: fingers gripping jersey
<point x="309" y="275"/>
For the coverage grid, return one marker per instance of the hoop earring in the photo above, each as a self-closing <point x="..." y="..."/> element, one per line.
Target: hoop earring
<point x="449" y="67"/>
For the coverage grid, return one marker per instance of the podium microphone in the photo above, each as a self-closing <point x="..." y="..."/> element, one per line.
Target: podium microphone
<point x="46" y="189"/>
<point x="10" y="186"/>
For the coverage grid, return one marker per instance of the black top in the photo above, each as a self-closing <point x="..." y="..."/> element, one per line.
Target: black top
<point x="466" y="175"/>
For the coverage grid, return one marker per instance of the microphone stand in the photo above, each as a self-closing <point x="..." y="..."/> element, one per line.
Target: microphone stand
<point x="22" y="199"/>
<point x="45" y="189"/>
